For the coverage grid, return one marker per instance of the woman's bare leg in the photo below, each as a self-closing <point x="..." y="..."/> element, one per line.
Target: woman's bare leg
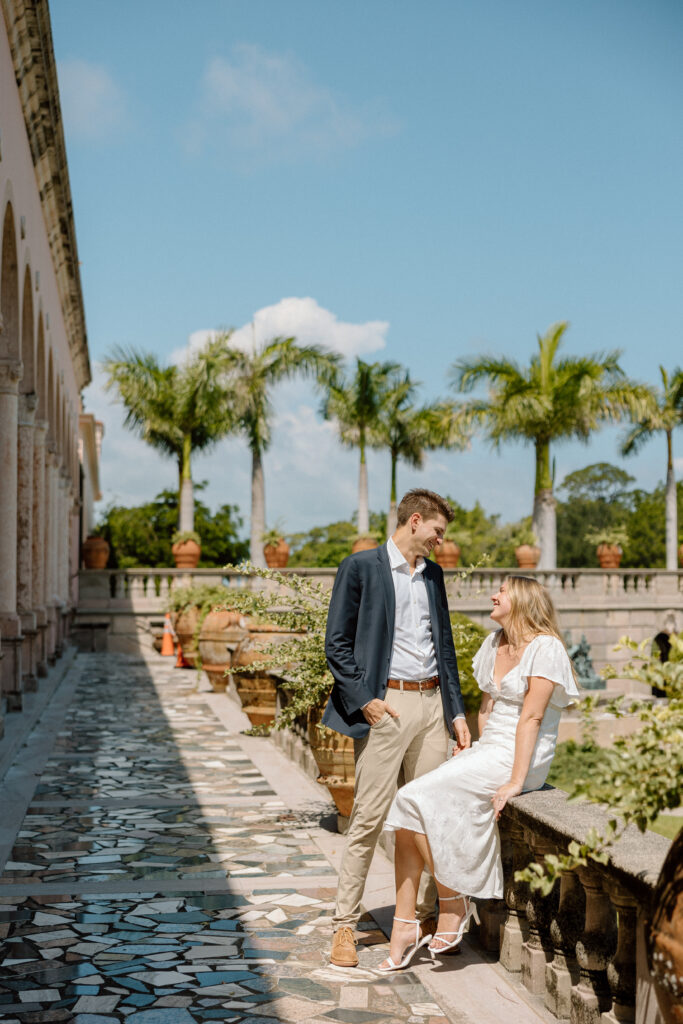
<point x="408" y="865"/>
<point x="451" y="911"/>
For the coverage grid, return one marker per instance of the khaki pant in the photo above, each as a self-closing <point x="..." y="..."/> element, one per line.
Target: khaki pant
<point x="416" y="742"/>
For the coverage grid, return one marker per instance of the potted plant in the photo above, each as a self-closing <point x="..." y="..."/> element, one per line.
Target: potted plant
<point x="447" y="553"/>
<point x="610" y="541"/>
<point x="527" y="551"/>
<point x="298" y="658"/>
<point x="275" y="548"/>
<point x="95" y="550"/>
<point x="186" y="549"/>
<point x="188" y="607"/>
<point x="637" y="778"/>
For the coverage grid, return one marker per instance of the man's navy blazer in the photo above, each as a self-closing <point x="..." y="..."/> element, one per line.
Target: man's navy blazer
<point x="360" y="636"/>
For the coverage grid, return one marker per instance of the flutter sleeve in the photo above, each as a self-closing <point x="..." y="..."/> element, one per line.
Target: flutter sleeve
<point x="546" y="656"/>
<point x="482" y="664"/>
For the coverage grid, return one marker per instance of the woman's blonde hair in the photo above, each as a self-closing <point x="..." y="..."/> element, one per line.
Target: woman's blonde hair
<point x="531" y="611"/>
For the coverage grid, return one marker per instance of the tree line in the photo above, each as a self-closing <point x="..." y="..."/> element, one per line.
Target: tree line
<point x="221" y="390"/>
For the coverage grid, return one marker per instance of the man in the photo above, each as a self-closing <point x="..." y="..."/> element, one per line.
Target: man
<point x="390" y="649"/>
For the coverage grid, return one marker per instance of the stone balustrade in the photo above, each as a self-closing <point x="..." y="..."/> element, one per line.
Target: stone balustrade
<point x="581" y="950"/>
<point x="603" y="605"/>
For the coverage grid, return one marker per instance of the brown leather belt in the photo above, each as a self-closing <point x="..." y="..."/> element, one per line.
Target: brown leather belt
<point x="413" y="684"/>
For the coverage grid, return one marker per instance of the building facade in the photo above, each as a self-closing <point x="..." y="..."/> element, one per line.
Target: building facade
<point x="44" y="363"/>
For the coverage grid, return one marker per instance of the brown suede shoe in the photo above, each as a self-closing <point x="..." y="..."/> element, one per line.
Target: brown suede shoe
<point x="344" y="948"/>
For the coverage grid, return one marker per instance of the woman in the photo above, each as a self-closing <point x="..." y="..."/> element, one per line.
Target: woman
<point x="447" y="818"/>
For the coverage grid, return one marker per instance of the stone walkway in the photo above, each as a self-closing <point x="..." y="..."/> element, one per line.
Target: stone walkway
<point x="161" y="868"/>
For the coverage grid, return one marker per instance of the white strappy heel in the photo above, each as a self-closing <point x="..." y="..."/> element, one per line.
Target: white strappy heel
<point x="470" y="911"/>
<point x="408" y="953"/>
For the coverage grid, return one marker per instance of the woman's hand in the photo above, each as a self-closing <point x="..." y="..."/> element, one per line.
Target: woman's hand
<point x="503" y="794"/>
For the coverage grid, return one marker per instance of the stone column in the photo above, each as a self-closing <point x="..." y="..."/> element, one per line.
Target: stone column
<point x="60" y="553"/>
<point x="621" y="970"/>
<point x="537" y="951"/>
<point x="10" y="623"/>
<point x="565" y="930"/>
<point x="515" y="930"/>
<point x="51" y="535"/>
<point x="27" y="410"/>
<point x="38" y="546"/>
<point x="594" y="950"/>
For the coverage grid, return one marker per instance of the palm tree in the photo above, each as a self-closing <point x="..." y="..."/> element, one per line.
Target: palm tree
<point x="249" y="376"/>
<point x="408" y="432"/>
<point x="178" y="410"/>
<point x="663" y="414"/>
<point x="550" y="400"/>
<point x="355" y="403"/>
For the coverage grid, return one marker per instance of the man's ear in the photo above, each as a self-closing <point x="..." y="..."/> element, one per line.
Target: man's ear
<point x="415" y="521"/>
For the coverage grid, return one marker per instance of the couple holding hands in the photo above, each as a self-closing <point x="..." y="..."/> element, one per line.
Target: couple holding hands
<point x="390" y="649"/>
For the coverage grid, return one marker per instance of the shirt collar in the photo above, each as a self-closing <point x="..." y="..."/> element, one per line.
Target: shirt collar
<point x="397" y="560"/>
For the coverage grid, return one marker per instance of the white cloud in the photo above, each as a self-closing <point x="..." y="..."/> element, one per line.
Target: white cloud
<point x="305" y="320"/>
<point x="267" y="104"/>
<point x="92" y="103"/>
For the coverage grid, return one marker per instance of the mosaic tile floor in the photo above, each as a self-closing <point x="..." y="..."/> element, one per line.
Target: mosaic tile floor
<point x="144" y="788"/>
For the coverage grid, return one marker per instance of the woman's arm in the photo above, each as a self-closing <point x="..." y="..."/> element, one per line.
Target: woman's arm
<point x="484" y="711"/>
<point x="535" y="702"/>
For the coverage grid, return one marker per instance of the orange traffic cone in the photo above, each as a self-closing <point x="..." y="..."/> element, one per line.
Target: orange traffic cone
<point x="180" y="660"/>
<point x="167" y="642"/>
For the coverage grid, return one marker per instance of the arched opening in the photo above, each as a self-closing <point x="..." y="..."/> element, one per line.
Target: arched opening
<point x="41" y="408"/>
<point x="9" y="289"/>
<point x="28" y="378"/>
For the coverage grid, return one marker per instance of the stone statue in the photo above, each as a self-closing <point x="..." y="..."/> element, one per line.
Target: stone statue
<point x="581" y="657"/>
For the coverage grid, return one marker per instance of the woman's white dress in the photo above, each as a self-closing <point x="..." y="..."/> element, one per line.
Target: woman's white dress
<point x="452" y="804"/>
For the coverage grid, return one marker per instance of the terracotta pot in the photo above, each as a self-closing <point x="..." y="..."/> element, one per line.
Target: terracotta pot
<point x="609" y="556"/>
<point x="95" y="553"/>
<point x="257" y="690"/>
<point x="333" y="755"/>
<point x="363" y="544"/>
<point x="220" y="636"/>
<point x="447" y="554"/>
<point x="665" y="935"/>
<point x="185" y="627"/>
<point x="277" y="555"/>
<point x="527" y="556"/>
<point x="186" y="554"/>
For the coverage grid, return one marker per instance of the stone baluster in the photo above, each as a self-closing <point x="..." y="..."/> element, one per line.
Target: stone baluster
<point x="537" y="951"/>
<point x="621" y="970"/>
<point x="38" y="545"/>
<point x="136" y="589"/>
<point x="27" y="410"/>
<point x="515" y="930"/>
<point x="592" y="997"/>
<point x="566" y="927"/>
<point x="11" y="686"/>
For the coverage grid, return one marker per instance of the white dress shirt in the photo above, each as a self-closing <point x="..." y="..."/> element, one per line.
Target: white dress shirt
<point x="412" y="655"/>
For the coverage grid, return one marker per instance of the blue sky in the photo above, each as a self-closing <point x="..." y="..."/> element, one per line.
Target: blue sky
<point x="408" y="181"/>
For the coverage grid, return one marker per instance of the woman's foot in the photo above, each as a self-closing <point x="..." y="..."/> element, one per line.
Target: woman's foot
<point x="451" y="913"/>
<point x="404" y="936"/>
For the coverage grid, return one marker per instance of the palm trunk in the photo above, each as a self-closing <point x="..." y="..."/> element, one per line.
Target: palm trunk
<point x="544" y="521"/>
<point x="392" y="517"/>
<point x="186" y="497"/>
<point x="258" y="508"/>
<point x="363" y="513"/>
<point x="671" y="508"/>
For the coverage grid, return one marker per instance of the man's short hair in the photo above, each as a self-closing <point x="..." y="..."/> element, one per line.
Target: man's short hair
<point x="427" y="503"/>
